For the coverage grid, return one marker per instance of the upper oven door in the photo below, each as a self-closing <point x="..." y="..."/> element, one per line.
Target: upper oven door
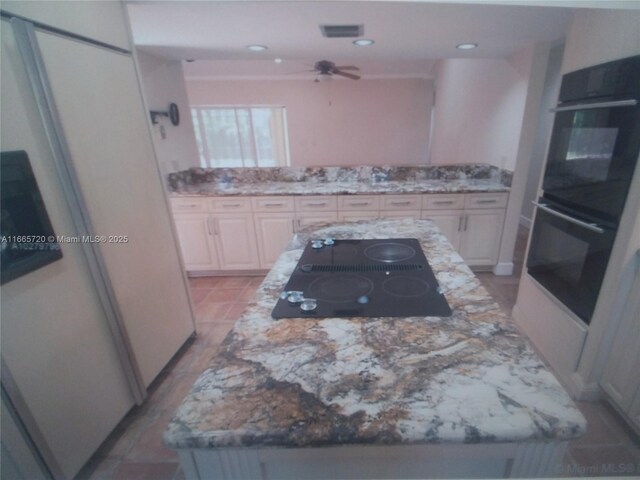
<point x="592" y="155"/>
<point x="568" y="256"/>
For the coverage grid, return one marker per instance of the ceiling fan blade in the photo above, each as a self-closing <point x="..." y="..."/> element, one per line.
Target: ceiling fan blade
<point x="345" y="74"/>
<point x="300" y="71"/>
<point x="348" y="67"/>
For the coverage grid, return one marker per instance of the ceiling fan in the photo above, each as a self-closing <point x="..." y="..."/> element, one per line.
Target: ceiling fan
<point x="325" y="67"/>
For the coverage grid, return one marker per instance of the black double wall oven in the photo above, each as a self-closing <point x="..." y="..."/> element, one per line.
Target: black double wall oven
<point x="593" y="151"/>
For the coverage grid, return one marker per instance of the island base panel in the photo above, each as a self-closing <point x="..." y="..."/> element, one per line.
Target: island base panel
<point x="506" y="460"/>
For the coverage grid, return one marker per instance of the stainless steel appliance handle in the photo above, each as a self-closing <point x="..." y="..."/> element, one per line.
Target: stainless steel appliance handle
<point x="589" y="226"/>
<point x="588" y="106"/>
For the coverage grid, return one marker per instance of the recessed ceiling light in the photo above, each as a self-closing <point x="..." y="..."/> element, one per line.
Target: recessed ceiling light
<point x="256" y="48"/>
<point x="466" y="46"/>
<point x="278" y="60"/>
<point x="189" y="60"/>
<point x="363" y="42"/>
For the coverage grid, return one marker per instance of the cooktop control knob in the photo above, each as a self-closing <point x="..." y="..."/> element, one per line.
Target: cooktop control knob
<point x="295" y="297"/>
<point x="308" y="305"/>
<point x="317" y="244"/>
<point x="329" y="241"/>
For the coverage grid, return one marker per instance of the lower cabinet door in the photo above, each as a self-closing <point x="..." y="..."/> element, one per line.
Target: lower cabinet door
<point x="273" y="231"/>
<point x="482" y="232"/>
<point x="313" y="218"/>
<point x="449" y="223"/>
<point x="236" y="241"/>
<point x="196" y="240"/>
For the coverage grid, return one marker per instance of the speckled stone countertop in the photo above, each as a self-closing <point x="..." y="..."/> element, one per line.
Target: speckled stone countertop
<point x="347" y="188"/>
<point x="339" y="180"/>
<point x="467" y="378"/>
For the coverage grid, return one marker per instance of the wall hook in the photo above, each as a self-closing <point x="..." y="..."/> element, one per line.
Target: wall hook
<point x="172" y="113"/>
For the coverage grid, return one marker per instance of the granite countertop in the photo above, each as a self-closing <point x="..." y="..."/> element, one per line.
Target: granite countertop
<point x="345" y="188"/>
<point x="467" y="378"/>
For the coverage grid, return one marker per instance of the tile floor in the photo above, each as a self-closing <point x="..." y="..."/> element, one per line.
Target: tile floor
<point x="134" y="451"/>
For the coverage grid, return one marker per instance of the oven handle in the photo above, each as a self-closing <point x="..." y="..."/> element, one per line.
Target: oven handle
<point x="588" y="106"/>
<point x="589" y="226"/>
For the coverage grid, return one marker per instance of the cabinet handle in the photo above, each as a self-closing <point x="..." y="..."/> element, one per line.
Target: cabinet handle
<point x="209" y="225"/>
<point x="466" y="222"/>
<point x="358" y="204"/>
<point x="443" y="202"/>
<point x="460" y="219"/>
<point x="231" y="205"/>
<point x="484" y="202"/>
<point x="400" y="203"/>
<point x="315" y="204"/>
<point x="293" y="225"/>
<point x="273" y="204"/>
<point x="187" y="205"/>
<point x="215" y="226"/>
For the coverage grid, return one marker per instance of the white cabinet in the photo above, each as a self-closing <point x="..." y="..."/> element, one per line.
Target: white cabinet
<point x="359" y="203"/>
<point x="274" y="223"/>
<point x="481" y="234"/>
<point x="196" y="241"/>
<point x="235" y="241"/>
<point x="400" y="206"/>
<point x="273" y="232"/>
<point x="304" y="219"/>
<point x="471" y="222"/>
<point x="314" y="209"/>
<point x="216" y="241"/>
<point x="449" y="223"/>
<point x="620" y="377"/>
<point x="249" y="233"/>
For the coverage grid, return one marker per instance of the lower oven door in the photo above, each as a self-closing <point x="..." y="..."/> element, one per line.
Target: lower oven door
<point x="568" y="256"/>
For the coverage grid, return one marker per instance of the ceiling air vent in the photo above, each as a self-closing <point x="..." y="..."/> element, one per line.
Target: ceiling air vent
<point x="342" y="31"/>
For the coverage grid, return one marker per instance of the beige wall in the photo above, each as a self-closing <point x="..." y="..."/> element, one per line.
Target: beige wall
<point x="163" y="83"/>
<point x="338" y="122"/>
<point x="479" y="109"/>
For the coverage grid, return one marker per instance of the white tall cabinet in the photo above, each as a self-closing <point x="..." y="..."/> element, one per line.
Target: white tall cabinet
<point x="84" y="336"/>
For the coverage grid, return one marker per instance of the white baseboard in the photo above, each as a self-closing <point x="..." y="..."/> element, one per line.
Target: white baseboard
<point x="525" y="222"/>
<point x="503" y="269"/>
<point x="586" y="392"/>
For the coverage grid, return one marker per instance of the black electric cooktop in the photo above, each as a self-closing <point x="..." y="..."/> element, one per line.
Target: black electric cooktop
<point x="362" y="278"/>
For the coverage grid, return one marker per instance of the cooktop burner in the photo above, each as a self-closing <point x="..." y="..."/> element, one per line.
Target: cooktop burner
<point x="362" y="278"/>
<point x="389" y="252"/>
<point x="340" y="287"/>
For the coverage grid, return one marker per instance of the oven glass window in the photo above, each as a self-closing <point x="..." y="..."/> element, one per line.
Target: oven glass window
<point x="592" y="155"/>
<point x="560" y="254"/>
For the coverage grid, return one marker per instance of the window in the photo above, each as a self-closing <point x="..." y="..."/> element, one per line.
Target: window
<point x="241" y="136"/>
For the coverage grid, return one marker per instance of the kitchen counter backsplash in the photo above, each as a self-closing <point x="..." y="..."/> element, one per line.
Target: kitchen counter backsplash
<point x="204" y="180"/>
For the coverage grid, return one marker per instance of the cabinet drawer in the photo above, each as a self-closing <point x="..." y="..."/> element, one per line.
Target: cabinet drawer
<point x="415" y="214"/>
<point x="355" y="216"/>
<point x="438" y="201"/>
<point x="486" y="200"/>
<point x="272" y="204"/>
<point x="188" y="204"/>
<point x="230" y="204"/>
<point x="400" y="202"/>
<point x="316" y="203"/>
<point x="307" y="219"/>
<point x="358" y="202"/>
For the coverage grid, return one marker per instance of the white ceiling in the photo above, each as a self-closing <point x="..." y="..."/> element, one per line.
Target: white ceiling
<point x="409" y="36"/>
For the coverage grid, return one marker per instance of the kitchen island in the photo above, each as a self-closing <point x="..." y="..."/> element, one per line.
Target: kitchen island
<point x="459" y="396"/>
